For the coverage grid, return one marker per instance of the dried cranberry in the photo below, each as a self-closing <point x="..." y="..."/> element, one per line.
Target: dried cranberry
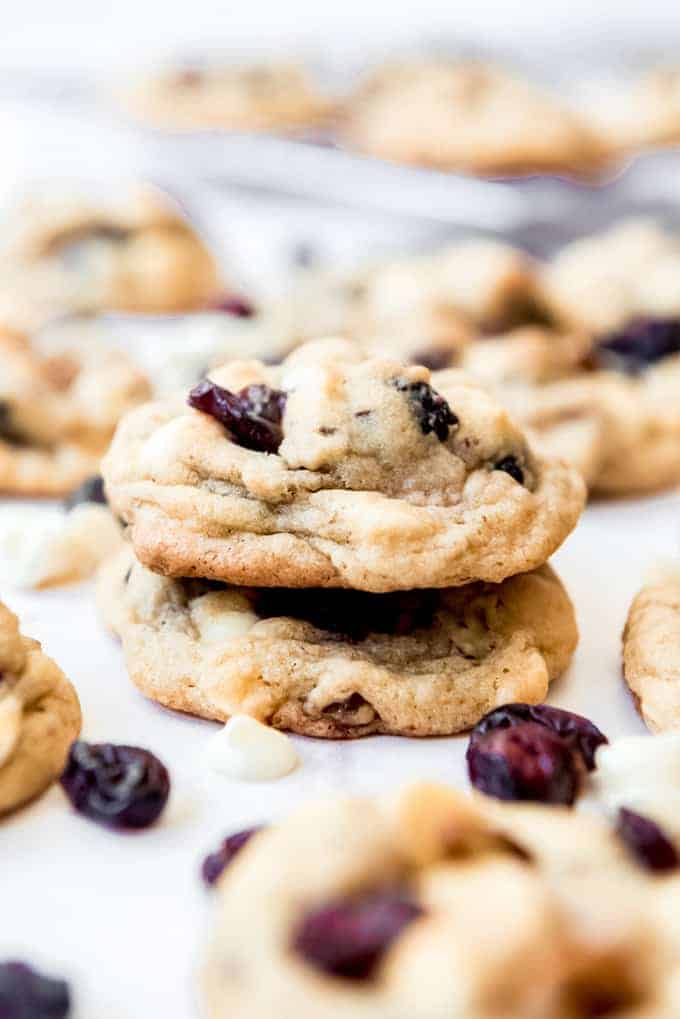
<point x="120" y="786"/>
<point x="431" y="410"/>
<point x="348" y="938"/>
<point x="643" y="342"/>
<point x="647" y="842"/>
<point x="253" y="416"/>
<point x="215" y="863"/>
<point x="26" y="994"/>
<point x="524" y="762"/>
<point x="580" y="733"/>
<point x="434" y="358"/>
<point x="510" y="465"/>
<point x="239" y="307"/>
<point x="350" y="614"/>
<point x="188" y="77"/>
<point x="91" y="490"/>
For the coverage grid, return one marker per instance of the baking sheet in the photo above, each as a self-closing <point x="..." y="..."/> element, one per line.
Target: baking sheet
<point x="124" y="917"/>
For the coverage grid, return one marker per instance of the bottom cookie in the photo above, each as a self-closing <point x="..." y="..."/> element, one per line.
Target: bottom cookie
<point x="337" y="663"/>
<point x="651" y="654"/>
<point x="436" y="904"/>
<point x="39" y="716"/>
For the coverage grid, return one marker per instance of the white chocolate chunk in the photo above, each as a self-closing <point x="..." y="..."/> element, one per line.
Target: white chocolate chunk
<point x="221" y="615"/>
<point x="638" y="770"/>
<point x="10" y="726"/>
<point x="246" y="749"/>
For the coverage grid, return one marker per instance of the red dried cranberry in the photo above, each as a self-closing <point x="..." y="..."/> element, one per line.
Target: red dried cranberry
<point x="643" y="342"/>
<point x="431" y="410"/>
<point x="26" y="994"/>
<point x="646" y="841"/>
<point x="434" y="358"/>
<point x="215" y="863"/>
<point x="188" y="77"/>
<point x="524" y="762"/>
<point x="239" y="307"/>
<point x="350" y="614"/>
<point x="252" y="416"/>
<point x="348" y="938"/>
<point x="120" y="786"/>
<point x="580" y="733"/>
<point x="510" y="465"/>
<point x="91" y="490"/>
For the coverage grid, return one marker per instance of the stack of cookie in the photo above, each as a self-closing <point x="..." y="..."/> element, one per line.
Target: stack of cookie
<point x="332" y="547"/>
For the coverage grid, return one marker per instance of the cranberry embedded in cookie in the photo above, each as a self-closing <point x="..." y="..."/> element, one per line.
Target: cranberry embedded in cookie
<point x="348" y="938"/>
<point x="647" y="842"/>
<point x="253" y="416"/>
<point x="643" y="342"/>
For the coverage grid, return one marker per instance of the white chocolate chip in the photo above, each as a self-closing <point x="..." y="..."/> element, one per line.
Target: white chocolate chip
<point x="642" y="773"/>
<point x="221" y="615"/>
<point x="246" y="749"/>
<point x="10" y="726"/>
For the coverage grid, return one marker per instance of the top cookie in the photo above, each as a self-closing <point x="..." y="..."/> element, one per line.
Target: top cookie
<point x="336" y="471"/>
<point x="469" y="116"/>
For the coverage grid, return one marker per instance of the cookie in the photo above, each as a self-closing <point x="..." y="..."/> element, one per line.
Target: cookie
<point x="599" y="283"/>
<point x="642" y="112"/>
<point x="336" y="663"/>
<point x="465" y="115"/>
<point x="70" y="252"/>
<point x="651" y="654"/>
<point x="610" y="407"/>
<point x="263" y="97"/>
<point x="372" y="481"/>
<point x="436" y="904"/>
<point x="49" y="546"/>
<point x="58" y="410"/>
<point x="39" y="716"/>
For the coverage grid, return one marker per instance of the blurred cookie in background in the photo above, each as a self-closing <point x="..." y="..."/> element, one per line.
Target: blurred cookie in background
<point x="643" y="112"/>
<point x="468" y="116"/>
<point x="213" y="93"/>
<point x="67" y="250"/>
<point x="58" y="410"/>
<point x="602" y="281"/>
